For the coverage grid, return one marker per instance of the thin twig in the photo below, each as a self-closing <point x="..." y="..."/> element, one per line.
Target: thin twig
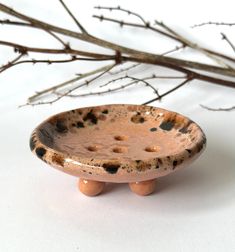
<point x="145" y="82"/>
<point x="133" y="82"/>
<point x="177" y="48"/>
<point x="224" y="37"/>
<point x="58" y="38"/>
<point x="103" y="91"/>
<point x="170" y="34"/>
<point x="213" y="23"/>
<point x="172" y="63"/>
<point x="123" y="23"/>
<point x="11" y="63"/>
<point x="112" y="81"/>
<point x="126" y="69"/>
<point x="124" y="54"/>
<point x="26" y="49"/>
<point x="65" y="83"/>
<point x="86" y="83"/>
<point x="169" y="91"/>
<point x="73" y="17"/>
<point x="121" y="49"/>
<point x="218" y="109"/>
<point x="10" y="22"/>
<point x="153" y="76"/>
<point x="184" y="41"/>
<point x="48" y="62"/>
<point x="118" y="8"/>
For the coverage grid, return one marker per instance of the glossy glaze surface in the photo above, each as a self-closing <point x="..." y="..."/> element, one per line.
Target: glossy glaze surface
<point x="118" y="143"/>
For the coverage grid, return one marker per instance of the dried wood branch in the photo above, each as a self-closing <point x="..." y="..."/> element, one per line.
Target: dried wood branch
<point x="169" y="33"/>
<point x="11" y="63"/>
<point x="17" y="23"/>
<point x="218" y="109"/>
<point x="125" y="69"/>
<point x="119" y="55"/>
<point x="53" y="89"/>
<point x="73" y="17"/>
<point x="169" y="91"/>
<point x="119" y="8"/>
<point x="213" y="23"/>
<point x="85" y="83"/>
<point x="133" y="81"/>
<point x="136" y="55"/>
<point x="224" y="37"/>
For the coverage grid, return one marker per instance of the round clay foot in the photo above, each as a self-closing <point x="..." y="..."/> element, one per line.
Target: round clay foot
<point x="90" y="187"/>
<point x="143" y="188"/>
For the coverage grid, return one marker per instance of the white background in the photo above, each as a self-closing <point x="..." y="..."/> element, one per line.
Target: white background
<point x="41" y="208"/>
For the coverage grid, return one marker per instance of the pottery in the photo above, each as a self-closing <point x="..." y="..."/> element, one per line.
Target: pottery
<point x="132" y="144"/>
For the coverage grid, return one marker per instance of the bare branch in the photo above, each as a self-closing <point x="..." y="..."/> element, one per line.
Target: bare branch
<point x="119" y="54"/>
<point x="58" y="39"/>
<point x="213" y="23"/>
<point x="26" y="49"/>
<point x="169" y="91"/>
<point x="86" y="83"/>
<point x="118" y="8"/>
<point x="125" y="69"/>
<point x="11" y="63"/>
<point x="147" y="58"/>
<point x="114" y="80"/>
<point x="174" y="36"/>
<point x="145" y="82"/>
<point x="48" y="62"/>
<point x="52" y="89"/>
<point x="138" y="55"/>
<point x="123" y="23"/>
<point x="10" y="22"/>
<point x="133" y="81"/>
<point x="224" y="37"/>
<point x="218" y="109"/>
<point x="211" y="54"/>
<point x="153" y="76"/>
<point x="73" y="17"/>
<point x="110" y="90"/>
<point x="177" y="48"/>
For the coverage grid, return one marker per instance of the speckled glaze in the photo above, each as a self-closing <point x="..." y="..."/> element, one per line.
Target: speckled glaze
<point x="118" y="143"/>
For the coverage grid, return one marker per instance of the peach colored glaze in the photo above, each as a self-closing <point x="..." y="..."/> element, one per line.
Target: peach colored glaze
<point x="118" y="143"/>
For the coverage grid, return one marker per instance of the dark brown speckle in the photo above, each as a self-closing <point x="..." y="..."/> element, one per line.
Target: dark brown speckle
<point x="40" y="152"/>
<point x="105" y="111"/>
<point x="111" y="168"/>
<point x="61" y="127"/>
<point x="80" y="125"/>
<point x="57" y="159"/>
<point x="167" y="125"/>
<point x="175" y="163"/>
<point x="137" y="118"/>
<point x="90" y="116"/>
<point x="32" y="143"/>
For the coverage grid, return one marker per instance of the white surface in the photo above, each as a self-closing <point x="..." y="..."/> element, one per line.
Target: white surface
<point x="41" y="208"/>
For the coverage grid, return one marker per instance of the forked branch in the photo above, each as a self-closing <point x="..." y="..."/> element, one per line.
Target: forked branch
<point x="119" y="55"/>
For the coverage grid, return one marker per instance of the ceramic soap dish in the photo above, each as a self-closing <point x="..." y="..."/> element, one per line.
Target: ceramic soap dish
<point x="132" y="144"/>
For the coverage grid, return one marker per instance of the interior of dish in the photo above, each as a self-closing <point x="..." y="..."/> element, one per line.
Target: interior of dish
<point x="125" y="132"/>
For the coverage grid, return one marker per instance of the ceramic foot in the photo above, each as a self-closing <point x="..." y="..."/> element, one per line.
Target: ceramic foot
<point x="143" y="188"/>
<point x="90" y="187"/>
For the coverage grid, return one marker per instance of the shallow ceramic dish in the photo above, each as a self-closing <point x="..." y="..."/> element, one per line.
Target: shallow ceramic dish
<point x="132" y="144"/>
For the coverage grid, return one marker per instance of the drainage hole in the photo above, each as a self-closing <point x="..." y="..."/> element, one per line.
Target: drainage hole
<point x="120" y="149"/>
<point x="120" y="138"/>
<point x="152" y="149"/>
<point x="92" y="148"/>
